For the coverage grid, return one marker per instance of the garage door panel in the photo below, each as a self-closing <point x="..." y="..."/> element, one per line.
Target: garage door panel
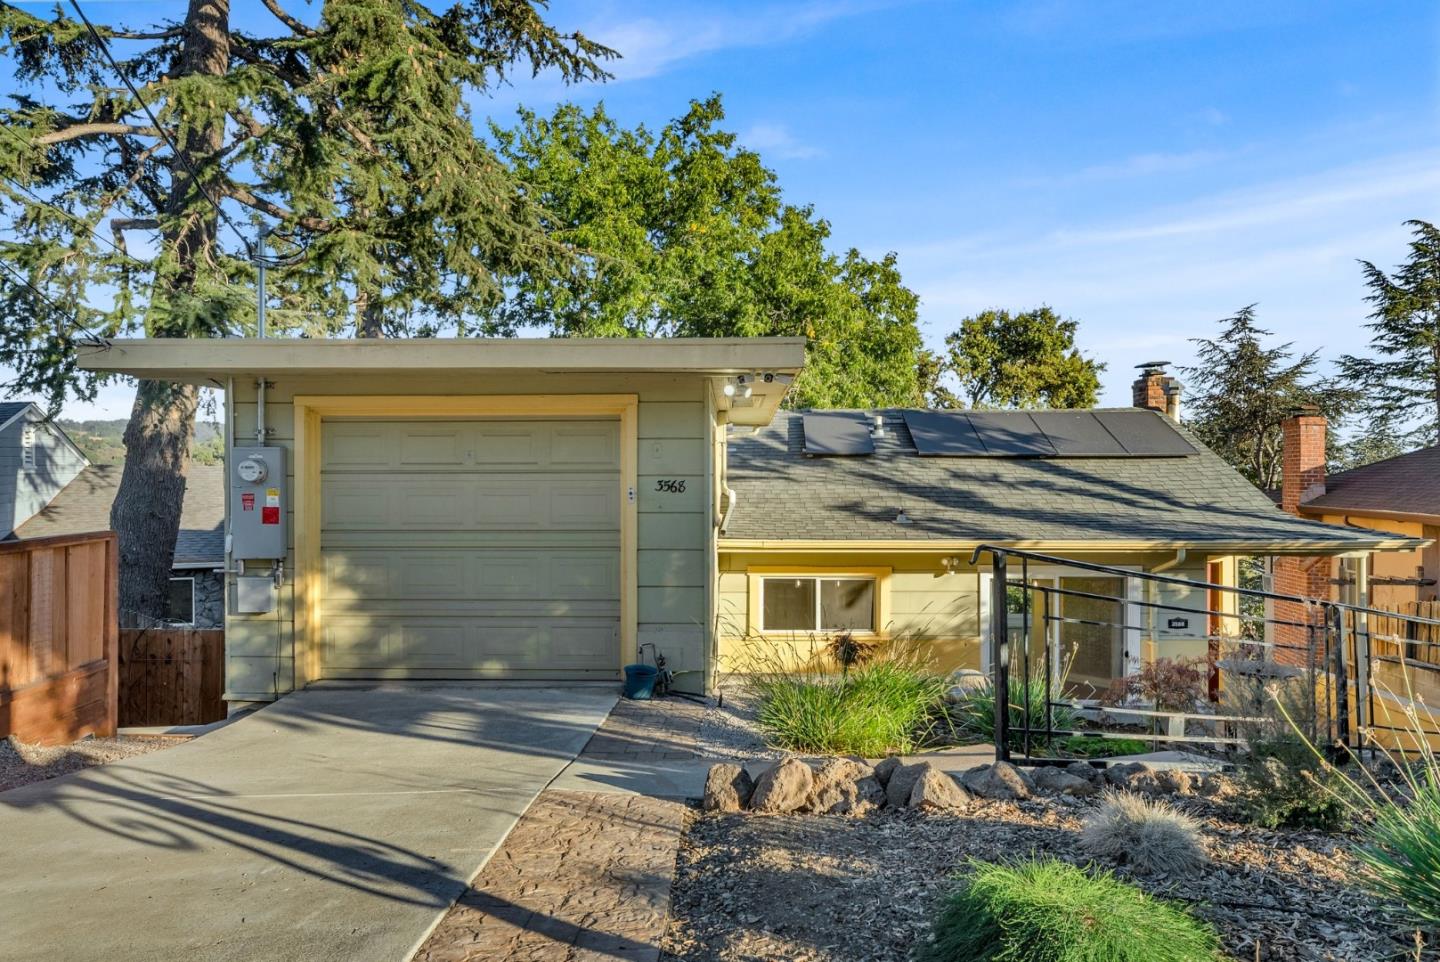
<point x="470" y="549"/>
<point x="482" y="575"/>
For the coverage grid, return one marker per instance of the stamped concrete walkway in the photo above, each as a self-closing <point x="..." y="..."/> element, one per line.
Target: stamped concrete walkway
<point x="332" y="826"/>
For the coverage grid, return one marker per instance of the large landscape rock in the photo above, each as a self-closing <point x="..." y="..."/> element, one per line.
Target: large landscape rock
<point x="936" y="791"/>
<point x="885" y="768"/>
<point x="1058" y="781"/>
<point x="1001" y="781"/>
<point x="783" y="787"/>
<point x="727" y="788"/>
<point x="902" y="783"/>
<point x="845" y="786"/>
<point x="1086" y="771"/>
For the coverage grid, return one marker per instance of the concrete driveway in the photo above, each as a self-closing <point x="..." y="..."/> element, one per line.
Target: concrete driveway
<point x="332" y="825"/>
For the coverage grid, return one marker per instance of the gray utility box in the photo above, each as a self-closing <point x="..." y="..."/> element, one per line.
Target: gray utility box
<point x="259" y="501"/>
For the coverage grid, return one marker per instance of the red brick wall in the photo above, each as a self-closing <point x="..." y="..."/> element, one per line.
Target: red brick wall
<point x="1148" y="391"/>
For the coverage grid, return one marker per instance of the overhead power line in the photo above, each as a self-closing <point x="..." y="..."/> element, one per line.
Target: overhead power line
<point x="164" y="134"/>
<point x="93" y="339"/>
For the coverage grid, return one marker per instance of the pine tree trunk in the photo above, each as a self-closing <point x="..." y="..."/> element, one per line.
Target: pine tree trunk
<point x="146" y="512"/>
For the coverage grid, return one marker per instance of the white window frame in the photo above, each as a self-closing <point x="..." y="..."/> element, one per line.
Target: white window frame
<point x="817" y="578"/>
<point x="1131" y="643"/>
<point x="29" y="441"/>
<point x="191" y="579"/>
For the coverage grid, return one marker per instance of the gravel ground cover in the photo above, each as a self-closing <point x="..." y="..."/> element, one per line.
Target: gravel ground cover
<point x="832" y="889"/>
<point x="728" y="728"/>
<point x="22" y="764"/>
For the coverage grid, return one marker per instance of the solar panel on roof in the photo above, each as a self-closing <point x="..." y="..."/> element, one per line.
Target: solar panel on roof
<point x="944" y="434"/>
<point x="837" y="434"/>
<point x="1010" y="434"/>
<point x="1078" y="434"/>
<point x="1144" y="434"/>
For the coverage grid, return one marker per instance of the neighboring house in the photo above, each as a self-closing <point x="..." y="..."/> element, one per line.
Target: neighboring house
<point x="37" y="459"/>
<point x="543" y="509"/>
<point x="197" y="576"/>
<point x="1399" y="495"/>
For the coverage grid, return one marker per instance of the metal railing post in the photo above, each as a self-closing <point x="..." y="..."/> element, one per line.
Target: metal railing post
<point x="1000" y="654"/>
<point x="1335" y="626"/>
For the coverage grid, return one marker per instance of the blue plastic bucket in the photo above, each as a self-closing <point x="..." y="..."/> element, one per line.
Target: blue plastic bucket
<point x="640" y="681"/>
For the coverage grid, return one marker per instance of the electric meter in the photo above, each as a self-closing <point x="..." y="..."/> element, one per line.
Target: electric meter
<point x="252" y="470"/>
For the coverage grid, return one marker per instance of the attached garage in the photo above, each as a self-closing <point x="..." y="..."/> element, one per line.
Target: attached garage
<point x="516" y="509"/>
<point x="477" y="548"/>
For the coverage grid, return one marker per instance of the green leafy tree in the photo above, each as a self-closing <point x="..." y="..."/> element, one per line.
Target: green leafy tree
<point x="1024" y="360"/>
<point x="1402" y="383"/>
<point x="681" y="232"/>
<point x="1241" y="391"/>
<point x="350" y="136"/>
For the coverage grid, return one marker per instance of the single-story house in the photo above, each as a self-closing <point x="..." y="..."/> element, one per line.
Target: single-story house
<point x="542" y="509"/>
<point x="197" y="573"/>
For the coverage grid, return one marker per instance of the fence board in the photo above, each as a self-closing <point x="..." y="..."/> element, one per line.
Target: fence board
<point x="57" y="637"/>
<point x="171" y="676"/>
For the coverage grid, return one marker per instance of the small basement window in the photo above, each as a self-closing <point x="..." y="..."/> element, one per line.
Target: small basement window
<point x="180" y="607"/>
<point x="817" y="604"/>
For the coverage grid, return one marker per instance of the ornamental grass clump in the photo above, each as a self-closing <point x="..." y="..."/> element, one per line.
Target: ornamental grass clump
<point x="1151" y="836"/>
<point x="844" y="697"/>
<point x="975" y="713"/>
<point x="1050" y="911"/>
<point x="878" y="709"/>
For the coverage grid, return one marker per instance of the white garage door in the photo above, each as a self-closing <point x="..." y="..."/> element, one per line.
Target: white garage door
<point x="456" y="549"/>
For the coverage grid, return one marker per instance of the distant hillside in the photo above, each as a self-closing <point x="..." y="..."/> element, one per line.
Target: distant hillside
<point x="102" y="443"/>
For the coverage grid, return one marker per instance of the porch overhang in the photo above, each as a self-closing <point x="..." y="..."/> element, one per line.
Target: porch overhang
<point x="947" y="546"/>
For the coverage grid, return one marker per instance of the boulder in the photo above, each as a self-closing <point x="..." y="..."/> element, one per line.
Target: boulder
<point x="1173" y="781"/>
<point x="885" y="767"/>
<point x="783" y="787"/>
<point x="964" y="682"/>
<point x="1057" y="781"/>
<point x="1216" y="786"/>
<point x="1085" y="770"/>
<point x="727" y="788"/>
<point x="845" y="786"/>
<point x="902" y="782"/>
<point x="1120" y="776"/>
<point x="936" y="791"/>
<point x="1001" y="781"/>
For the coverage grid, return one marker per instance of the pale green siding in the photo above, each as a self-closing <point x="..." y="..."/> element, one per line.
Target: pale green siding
<point x="673" y="529"/>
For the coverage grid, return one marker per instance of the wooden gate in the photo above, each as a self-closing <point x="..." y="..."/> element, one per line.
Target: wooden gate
<point x="172" y="676"/>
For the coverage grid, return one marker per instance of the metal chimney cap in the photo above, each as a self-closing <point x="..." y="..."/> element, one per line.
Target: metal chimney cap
<point x="1158" y="366"/>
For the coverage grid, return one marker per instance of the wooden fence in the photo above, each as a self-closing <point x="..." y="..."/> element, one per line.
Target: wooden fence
<point x="58" y="637"/>
<point x="1406" y="655"/>
<point x="172" y="676"/>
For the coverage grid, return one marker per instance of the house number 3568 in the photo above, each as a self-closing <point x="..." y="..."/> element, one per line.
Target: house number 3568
<point x="670" y="485"/>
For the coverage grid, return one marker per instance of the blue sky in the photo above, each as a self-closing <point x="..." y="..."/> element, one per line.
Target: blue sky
<point x="1143" y="167"/>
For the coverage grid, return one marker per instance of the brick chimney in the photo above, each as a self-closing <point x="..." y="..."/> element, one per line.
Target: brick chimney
<point x="1156" y="390"/>
<point x="1303" y="458"/>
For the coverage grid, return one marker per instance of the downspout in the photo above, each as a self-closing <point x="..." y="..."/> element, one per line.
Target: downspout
<point x="729" y="492"/>
<point x="1179" y="559"/>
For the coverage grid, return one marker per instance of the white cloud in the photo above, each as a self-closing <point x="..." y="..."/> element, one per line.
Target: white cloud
<point x="776" y="140"/>
<point x="1136" y="165"/>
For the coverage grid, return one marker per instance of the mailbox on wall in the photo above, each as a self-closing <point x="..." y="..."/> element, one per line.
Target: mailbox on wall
<point x="259" y="501"/>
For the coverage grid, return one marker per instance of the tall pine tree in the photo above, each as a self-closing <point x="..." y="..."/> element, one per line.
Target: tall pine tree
<point x="350" y="136"/>
<point x="1401" y="384"/>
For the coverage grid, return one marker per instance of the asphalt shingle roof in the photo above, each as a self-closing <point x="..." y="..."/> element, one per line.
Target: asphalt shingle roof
<point x="8" y="409"/>
<point x="1407" y="484"/>
<point x="784" y="495"/>
<point x="84" y="505"/>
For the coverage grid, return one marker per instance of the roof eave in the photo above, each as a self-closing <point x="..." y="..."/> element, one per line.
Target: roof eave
<point x="1317" y="511"/>
<point x="941" y="545"/>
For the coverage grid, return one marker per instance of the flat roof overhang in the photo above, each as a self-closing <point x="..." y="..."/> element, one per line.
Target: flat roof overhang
<point x="211" y="360"/>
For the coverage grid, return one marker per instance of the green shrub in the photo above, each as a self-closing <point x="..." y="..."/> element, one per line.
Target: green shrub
<point x="1093" y="746"/>
<point x="880" y="708"/>
<point x="1049" y="911"/>
<point x="976" y="713"/>
<point x="1284" y="785"/>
